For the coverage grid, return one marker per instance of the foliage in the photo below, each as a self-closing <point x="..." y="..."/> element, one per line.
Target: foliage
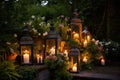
<point x="7" y="71"/>
<point x="86" y="66"/>
<point x="57" y="64"/>
<point x="28" y="72"/>
<point x="111" y="50"/>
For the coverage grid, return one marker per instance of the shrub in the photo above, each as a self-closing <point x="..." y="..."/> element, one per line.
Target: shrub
<point x="7" y="71"/>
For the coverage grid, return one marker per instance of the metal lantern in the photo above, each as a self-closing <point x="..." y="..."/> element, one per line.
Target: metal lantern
<point x="26" y="47"/>
<point x="76" y="27"/>
<point x="52" y="41"/>
<point x="74" y="60"/>
<point x="86" y="37"/>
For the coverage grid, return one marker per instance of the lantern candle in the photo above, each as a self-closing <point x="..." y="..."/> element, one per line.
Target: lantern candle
<point x="52" y="50"/>
<point x="76" y="36"/>
<point x="88" y="38"/>
<point x="85" y="43"/>
<point x="26" y="57"/>
<point x="85" y="59"/>
<point x="103" y="61"/>
<point x="38" y="58"/>
<point x="74" y="69"/>
<point x="66" y="53"/>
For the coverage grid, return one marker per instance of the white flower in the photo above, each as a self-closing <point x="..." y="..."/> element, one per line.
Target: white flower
<point x="32" y="16"/>
<point x="8" y="43"/>
<point x="39" y="34"/>
<point x="15" y="35"/>
<point x="45" y="33"/>
<point x="43" y="18"/>
<point x="11" y="50"/>
<point x="97" y="41"/>
<point x="93" y="40"/>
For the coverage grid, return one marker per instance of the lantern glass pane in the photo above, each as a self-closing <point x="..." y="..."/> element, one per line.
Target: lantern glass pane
<point x="73" y="64"/>
<point x="50" y="44"/>
<point x="26" y="54"/>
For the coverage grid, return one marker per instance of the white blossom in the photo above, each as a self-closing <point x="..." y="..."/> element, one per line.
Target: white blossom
<point x="32" y="16"/>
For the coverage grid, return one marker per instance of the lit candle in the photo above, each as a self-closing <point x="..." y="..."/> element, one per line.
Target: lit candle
<point x="66" y="53"/>
<point x="26" y="57"/>
<point x="76" y="36"/>
<point x="74" y="68"/>
<point x="103" y="61"/>
<point x="85" y="43"/>
<point x="52" y="50"/>
<point x="85" y="59"/>
<point x="88" y="38"/>
<point x="38" y="58"/>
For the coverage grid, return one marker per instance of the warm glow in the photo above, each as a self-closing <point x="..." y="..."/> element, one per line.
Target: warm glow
<point x="74" y="68"/>
<point x="52" y="50"/>
<point x="85" y="43"/>
<point x="26" y="56"/>
<point x="76" y="36"/>
<point x="102" y="61"/>
<point x="88" y="38"/>
<point x="39" y="59"/>
<point x="66" y="53"/>
<point x="85" y="59"/>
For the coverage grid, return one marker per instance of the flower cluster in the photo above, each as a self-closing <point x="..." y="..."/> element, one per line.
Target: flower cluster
<point x="57" y="65"/>
<point x="55" y="61"/>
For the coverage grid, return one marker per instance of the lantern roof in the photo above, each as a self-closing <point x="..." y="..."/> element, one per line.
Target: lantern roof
<point x="74" y="52"/>
<point x="26" y="39"/>
<point x="52" y="34"/>
<point x="75" y="20"/>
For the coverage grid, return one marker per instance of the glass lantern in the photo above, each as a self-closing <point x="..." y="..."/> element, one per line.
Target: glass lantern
<point x="76" y="27"/>
<point x="52" y="42"/>
<point x="74" y="60"/>
<point x="86" y="37"/>
<point x="26" y="48"/>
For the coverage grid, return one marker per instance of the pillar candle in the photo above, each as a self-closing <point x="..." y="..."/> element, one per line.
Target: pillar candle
<point x="26" y="58"/>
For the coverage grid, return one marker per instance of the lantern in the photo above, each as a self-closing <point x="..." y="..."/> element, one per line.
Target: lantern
<point x="76" y="27"/>
<point x="86" y="35"/>
<point x="26" y="47"/>
<point x="74" y="60"/>
<point x="52" y="42"/>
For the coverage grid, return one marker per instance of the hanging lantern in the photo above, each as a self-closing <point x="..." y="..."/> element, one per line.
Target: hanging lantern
<point x="74" y="60"/>
<point x="52" y="42"/>
<point x="26" y="47"/>
<point x="76" y="27"/>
